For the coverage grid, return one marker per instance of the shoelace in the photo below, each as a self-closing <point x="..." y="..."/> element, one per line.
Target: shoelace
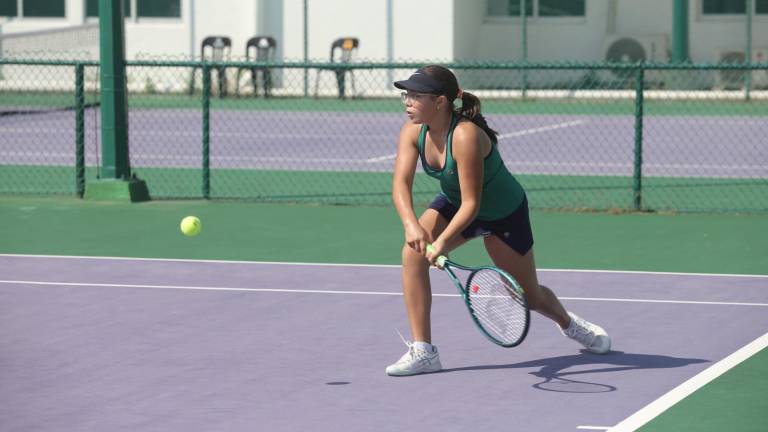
<point x="581" y="332"/>
<point x="420" y="356"/>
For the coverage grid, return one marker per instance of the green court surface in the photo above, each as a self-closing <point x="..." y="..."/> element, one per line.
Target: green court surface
<point x="734" y="402"/>
<point x="696" y="243"/>
<point x="372" y="188"/>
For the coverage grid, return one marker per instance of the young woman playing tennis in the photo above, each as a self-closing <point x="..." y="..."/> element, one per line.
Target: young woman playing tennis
<point x="479" y="198"/>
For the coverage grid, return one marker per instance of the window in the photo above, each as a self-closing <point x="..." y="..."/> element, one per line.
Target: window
<point x="561" y="8"/>
<point x="732" y="7"/>
<point x="159" y="8"/>
<point x="8" y="8"/>
<point x="144" y="8"/>
<point x="92" y="8"/>
<point x="43" y="8"/>
<point x="540" y="8"/>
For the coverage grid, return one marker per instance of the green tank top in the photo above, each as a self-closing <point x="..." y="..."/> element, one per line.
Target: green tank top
<point x="501" y="194"/>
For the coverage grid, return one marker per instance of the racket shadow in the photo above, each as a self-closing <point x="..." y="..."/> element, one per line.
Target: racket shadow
<point x="555" y="378"/>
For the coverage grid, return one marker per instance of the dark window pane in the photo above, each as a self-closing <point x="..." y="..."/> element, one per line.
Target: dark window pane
<point x="724" y="6"/>
<point x="514" y="7"/>
<point x="8" y="8"/>
<point x="761" y="6"/>
<point x="92" y="8"/>
<point x="159" y="8"/>
<point x="43" y="8"/>
<point x="561" y="7"/>
<point x="498" y="7"/>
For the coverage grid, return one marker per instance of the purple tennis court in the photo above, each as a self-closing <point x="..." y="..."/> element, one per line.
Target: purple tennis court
<point x="532" y="144"/>
<point x="93" y="344"/>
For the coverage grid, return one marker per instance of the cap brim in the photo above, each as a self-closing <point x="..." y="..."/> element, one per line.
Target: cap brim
<point x="420" y="82"/>
<point x="409" y="84"/>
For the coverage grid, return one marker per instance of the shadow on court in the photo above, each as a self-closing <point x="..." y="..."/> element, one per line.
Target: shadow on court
<point x="553" y="369"/>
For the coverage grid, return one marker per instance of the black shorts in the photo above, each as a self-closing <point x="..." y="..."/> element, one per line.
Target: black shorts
<point x="513" y="229"/>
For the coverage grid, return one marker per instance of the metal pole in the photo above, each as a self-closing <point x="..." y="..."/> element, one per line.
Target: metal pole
<point x="637" y="175"/>
<point x="79" y="131"/>
<point x="192" y="36"/>
<point x="206" y="131"/>
<point x="748" y="53"/>
<point x="680" y="31"/>
<point x="524" y="42"/>
<point x="390" y="41"/>
<point x="306" y="48"/>
<point x="114" y="106"/>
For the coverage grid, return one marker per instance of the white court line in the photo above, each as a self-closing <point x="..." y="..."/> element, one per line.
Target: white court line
<point x="503" y="136"/>
<point x="516" y="163"/>
<point x="300" y="264"/>
<point x="374" y="293"/>
<point x="655" y="408"/>
<point x="593" y="427"/>
<point x="541" y="129"/>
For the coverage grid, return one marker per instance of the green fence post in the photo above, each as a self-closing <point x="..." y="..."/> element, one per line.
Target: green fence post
<point x="524" y="44"/>
<point x="680" y="31"/>
<point x="79" y="132"/>
<point x="748" y="53"/>
<point x="116" y="182"/>
<point x="637" y="175"/>
<point x="114" y="127"/>
<point x="306" y="47"/>
<point x="206" y="131"/>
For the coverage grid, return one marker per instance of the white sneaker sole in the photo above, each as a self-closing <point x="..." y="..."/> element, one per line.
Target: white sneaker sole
<point x="389" y="372"/>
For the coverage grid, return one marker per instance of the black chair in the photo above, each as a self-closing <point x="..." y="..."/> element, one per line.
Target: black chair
<point x="263" y="49"/>
<point x="343" y="51"/>
<point x="214" y="48"/>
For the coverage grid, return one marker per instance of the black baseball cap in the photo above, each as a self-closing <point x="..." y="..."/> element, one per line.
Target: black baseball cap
<point x="421" y="82"/>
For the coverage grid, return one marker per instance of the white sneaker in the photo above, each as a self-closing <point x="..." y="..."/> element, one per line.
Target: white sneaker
<point x="592" y="336"/>
<point x="416" y="361"/>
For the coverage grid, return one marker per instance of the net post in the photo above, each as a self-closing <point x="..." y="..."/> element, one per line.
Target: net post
<point x="79" y="131"/>
<point x="206" y="131"/>
<point x="637" y="175"/>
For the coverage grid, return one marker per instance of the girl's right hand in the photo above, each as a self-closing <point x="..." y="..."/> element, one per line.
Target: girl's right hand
<point x="417" y="238"/>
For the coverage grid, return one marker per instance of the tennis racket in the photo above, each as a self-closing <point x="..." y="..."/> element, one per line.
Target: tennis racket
<point x="495" y="300"/>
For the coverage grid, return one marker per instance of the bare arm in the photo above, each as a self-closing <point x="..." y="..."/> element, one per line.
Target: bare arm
<point x="468" y="151"/>
<point x="402" y="187"/>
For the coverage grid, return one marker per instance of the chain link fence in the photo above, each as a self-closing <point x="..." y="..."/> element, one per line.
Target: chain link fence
<point x="578" y="136"/>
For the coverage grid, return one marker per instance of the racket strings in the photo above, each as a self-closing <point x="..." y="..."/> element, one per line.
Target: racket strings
<point x="498" y="306"/>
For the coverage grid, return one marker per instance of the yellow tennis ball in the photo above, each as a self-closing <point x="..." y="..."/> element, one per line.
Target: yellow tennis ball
<point x="191" y="226"/>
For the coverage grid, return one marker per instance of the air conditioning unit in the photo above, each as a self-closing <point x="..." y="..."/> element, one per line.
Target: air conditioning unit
<point x="734" y="78"/>
<point x="631" y="49"/>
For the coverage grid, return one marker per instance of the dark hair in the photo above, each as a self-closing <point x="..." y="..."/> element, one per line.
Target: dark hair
<point x="470" y="104"/>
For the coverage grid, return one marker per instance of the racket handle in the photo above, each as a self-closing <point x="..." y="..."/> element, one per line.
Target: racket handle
<point x="441" y="259"/>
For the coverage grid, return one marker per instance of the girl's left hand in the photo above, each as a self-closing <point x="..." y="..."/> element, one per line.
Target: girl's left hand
<point x="437" y="249"/>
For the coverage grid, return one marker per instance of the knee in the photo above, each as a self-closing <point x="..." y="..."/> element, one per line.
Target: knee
<point x="411" y="258"/>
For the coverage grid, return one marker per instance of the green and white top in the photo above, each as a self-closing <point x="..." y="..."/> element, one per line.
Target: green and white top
<point x="501" y="194"/>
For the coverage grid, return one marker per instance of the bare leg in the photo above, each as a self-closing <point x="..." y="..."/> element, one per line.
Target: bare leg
<point x="523" y="268"/>
<point x="417" y="291"/>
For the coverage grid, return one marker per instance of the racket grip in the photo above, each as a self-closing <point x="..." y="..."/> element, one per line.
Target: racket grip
<point x="441" y="259"/>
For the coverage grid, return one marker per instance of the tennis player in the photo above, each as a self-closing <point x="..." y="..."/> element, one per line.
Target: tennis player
<point x="479" y="198"/>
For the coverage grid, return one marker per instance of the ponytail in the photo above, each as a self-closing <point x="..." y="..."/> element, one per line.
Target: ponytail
<point x="448" y="86"/>
<point x="470" y="108"/>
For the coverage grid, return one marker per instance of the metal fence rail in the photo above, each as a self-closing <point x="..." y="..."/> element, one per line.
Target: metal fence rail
<point x="663" y="137"/>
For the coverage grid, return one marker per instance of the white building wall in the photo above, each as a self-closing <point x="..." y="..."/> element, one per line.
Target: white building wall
<point x="417" y="34"/>
<point x="424" y="29"/>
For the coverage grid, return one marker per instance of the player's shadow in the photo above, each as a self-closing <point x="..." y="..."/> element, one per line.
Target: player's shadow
<point x="553" y="369"/>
